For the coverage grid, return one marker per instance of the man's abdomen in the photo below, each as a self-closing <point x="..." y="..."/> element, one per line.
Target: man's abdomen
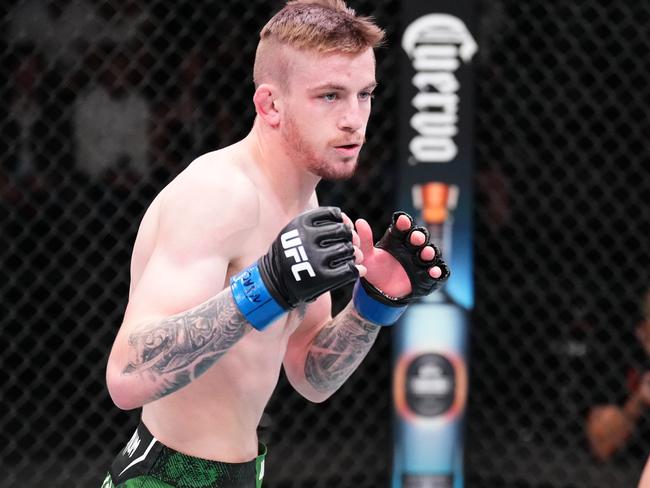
<point x="216" y="416"/>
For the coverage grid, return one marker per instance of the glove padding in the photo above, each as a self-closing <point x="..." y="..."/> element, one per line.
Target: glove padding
<point x="311" y="255"/>
<point x="398" y="244"/>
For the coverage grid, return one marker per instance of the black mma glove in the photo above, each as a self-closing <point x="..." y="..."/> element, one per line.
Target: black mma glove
<point x="311" y="255"/>
<point x="375" y="305"/>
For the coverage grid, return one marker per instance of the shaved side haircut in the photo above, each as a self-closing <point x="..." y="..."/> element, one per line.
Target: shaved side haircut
<point x="320" y="26"/>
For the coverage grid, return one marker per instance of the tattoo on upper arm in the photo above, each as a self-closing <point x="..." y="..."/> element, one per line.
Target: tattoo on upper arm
<point x="180" y="348"/>
<point x="338" y="349"/>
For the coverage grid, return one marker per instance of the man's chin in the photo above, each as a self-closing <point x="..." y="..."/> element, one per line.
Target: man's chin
<point x="341" y="170"/>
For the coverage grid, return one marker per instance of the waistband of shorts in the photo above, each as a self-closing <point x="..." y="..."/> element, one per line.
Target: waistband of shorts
<point x="145" y="455"/>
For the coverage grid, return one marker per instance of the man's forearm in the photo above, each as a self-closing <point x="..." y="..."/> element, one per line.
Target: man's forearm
<point x="338" y="349"/>
<point x="175" y="350"/>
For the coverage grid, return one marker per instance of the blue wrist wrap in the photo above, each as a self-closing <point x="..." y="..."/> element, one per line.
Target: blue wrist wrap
<point x="253" y="298"/>
<point x="372" y="310"/>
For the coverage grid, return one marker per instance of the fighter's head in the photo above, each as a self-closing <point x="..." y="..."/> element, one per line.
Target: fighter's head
<point x="314" y="74"/>
<point x="319" y="26"/>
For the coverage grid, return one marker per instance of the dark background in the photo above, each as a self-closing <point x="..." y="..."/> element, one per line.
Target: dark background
<point x="561" y="229"/>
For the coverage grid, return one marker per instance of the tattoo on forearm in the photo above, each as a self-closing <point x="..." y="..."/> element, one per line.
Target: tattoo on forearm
<point x="338" y="349"/>
<point x="178" y="349"/>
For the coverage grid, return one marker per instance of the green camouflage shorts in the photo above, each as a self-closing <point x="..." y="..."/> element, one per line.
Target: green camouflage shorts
<point x="146" y="463"/>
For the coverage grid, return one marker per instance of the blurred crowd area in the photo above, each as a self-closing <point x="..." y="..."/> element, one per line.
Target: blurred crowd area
<point x="559" y="360"/>
<point x="96" y="93"/>
<point x="105" y="101"/>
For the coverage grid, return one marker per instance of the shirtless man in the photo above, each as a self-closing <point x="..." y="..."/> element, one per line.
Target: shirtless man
<point x="234" y="261"/>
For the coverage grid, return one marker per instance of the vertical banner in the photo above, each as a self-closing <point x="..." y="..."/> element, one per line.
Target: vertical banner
<point x="436" y="170"/>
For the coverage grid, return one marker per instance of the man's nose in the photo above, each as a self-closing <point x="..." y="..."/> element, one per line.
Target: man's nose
<point x="352" y="118"/>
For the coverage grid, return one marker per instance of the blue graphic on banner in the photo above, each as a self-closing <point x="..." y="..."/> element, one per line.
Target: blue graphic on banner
<point x="430" y="364"/>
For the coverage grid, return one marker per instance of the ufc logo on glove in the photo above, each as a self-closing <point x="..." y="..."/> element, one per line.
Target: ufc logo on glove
<point x="317" y="239"/>
<point x="293" y="248"/>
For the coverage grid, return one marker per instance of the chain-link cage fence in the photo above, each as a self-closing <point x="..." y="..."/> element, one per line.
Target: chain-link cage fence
<point x="562" y="250"/>
<point x="107" y="100"/>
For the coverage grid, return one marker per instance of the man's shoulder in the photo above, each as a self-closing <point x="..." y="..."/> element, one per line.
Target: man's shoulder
<point x="216" y="176"/>
<point x="213" y="186"/>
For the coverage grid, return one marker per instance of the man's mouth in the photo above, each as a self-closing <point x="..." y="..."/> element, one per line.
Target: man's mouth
<point x="348" y="150"/>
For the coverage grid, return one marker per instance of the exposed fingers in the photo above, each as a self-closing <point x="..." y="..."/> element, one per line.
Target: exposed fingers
<point x="418" y="238"/>
<point x="362" y="270"/>
<point x="364" y="233"/>
<point x="435" y="272"/>
<point x="427" y="254"/>
<point x="356" y="241"/>
<point x="358" y="255"/>
<point x="347" y="220"/>
<point x="403" y="223"/>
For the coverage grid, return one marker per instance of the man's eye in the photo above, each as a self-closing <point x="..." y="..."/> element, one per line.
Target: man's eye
<point x="329" y="97"/>
<point x="366" y="95"/>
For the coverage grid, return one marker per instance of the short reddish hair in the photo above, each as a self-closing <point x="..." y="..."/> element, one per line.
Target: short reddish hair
<point x="322" y="26"/>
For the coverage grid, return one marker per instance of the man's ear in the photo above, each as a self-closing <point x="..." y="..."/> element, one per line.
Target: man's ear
<point x="267" y="104"/>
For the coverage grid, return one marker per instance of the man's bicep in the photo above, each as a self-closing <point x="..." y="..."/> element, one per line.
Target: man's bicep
<point x="170" y="285"/>
<point x="198" y="235"/>
<point x="167" y="286"/>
